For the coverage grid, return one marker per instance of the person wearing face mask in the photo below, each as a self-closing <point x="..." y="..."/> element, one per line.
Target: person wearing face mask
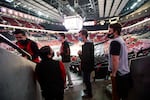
<point x="118" y="63"/>
<point x="87" y="62"/>
<point x="26" y="44"/>
<point x="64" y="52"/>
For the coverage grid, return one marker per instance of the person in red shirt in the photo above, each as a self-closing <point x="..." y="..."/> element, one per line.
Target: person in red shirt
<point x="51" y="75"/>
<point x="26" y="44"/>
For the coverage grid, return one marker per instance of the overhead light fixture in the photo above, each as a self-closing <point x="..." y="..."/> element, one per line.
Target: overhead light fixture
<point x="39" y="13"/>
<point x="73" y="23"/>
<point x="102" y="22"/>
<point x="25" y="6"/>
<point x="89" y="23"/>
<point x="17" y="4"/>
<point x="70" y="8"/>
<point x="29" y="8"/>
<point x="113" y="20"/>
<point x="133" y="6"/>
<point x="9" y="1"/>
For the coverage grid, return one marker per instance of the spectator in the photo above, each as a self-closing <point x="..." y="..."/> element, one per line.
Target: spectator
<point x="26" y="44"/>
<point x="118" y="63"/>
<point x="51" y="75"/>
<point x="65" y="54"/>
<point x="87" y="62"/>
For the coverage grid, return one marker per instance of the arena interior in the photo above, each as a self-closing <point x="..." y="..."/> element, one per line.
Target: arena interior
<point x="42" y="20"/>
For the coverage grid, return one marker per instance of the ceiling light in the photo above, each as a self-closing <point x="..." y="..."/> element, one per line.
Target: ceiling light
<point x="29" y="8"/>
<point x="133" y="6"/>
<point x="73" y="23"/>
<point x="89" y="23"/>
<point x="9" y="1"/>
<point x="70" y="8"/>
<point x="17" y="4"/>
<point x="102" y="22"/>
<point x="25" y="6"/>
<point x="39" y="13"/>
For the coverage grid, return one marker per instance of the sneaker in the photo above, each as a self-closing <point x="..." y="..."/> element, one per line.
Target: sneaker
<point x="85" y="91"/>
<point x="66" y="88"/>
<point x="70" y="85"/>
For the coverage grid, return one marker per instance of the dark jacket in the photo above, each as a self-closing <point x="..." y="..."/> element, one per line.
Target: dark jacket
<point x="31" y="47"/>
<point x="51" y="75"/>
<point x="87" y="57"/>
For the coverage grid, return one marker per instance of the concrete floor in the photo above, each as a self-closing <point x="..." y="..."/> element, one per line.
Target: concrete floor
<point x="99" y="91"/>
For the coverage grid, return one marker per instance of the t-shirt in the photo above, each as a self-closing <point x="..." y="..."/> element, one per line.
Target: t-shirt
<point x="118" y="47"/>
<point x="87" y="57"/>
<point x="115" y="48"/>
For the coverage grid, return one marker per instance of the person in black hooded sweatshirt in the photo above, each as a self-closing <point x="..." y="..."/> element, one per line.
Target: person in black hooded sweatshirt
<point x="50" y="75"/>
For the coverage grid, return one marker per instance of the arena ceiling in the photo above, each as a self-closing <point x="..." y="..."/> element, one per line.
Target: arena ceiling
<point x="55" y="10"/>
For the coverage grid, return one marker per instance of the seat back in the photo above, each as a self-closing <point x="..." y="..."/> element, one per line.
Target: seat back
<point x="140" y="70"/>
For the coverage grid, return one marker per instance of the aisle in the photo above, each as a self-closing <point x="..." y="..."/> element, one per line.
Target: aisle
<point x="76" y="93"/>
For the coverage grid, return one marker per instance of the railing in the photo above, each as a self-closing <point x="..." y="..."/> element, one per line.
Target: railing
<point x="7" y="41"/>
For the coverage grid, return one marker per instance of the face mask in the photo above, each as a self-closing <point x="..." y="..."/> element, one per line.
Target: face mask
<point x="80" y="39"/>
<point x="22" y="41"/>
<point x="59" y="38"/>
<point x="111" y="36"/>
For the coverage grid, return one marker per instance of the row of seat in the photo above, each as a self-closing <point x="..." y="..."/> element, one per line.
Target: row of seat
<point x="19" y="22"/>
